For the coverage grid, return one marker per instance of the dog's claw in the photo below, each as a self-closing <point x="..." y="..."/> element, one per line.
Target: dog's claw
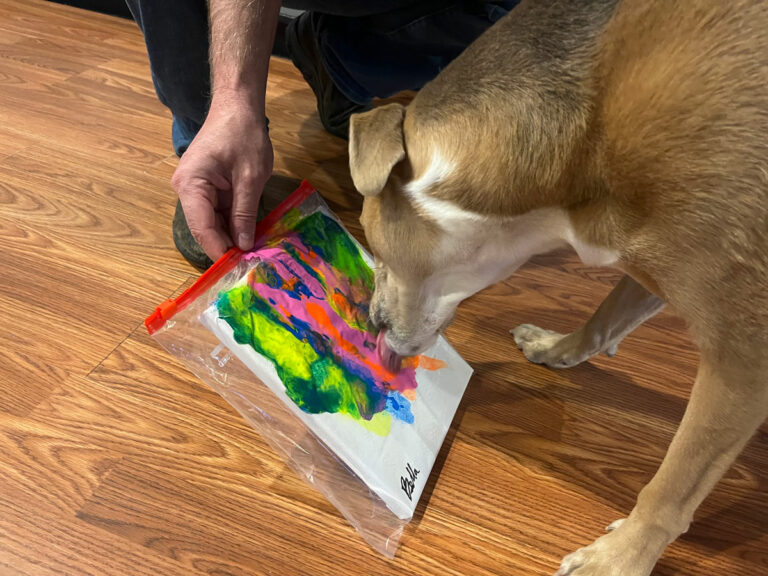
<point x="611" y="350"/>
<point x="613" y="525"/>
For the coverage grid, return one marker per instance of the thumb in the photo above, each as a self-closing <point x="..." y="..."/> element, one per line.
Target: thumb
<point x="245" y="206"/>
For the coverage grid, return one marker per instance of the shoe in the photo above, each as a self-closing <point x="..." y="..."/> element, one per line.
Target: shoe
<point x="333" y="107"/>
<point x="186" y="243"/>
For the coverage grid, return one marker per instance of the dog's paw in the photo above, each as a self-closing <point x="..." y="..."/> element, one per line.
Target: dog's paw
<point x="546" y="347"/>
<point x="618" y="553"/>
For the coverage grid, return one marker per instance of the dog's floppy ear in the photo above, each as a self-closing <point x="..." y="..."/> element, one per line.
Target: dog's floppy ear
<point x="375" y="146"/>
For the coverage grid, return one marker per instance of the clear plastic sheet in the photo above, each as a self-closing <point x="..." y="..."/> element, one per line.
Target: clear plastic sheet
<point x="376" y="495"/>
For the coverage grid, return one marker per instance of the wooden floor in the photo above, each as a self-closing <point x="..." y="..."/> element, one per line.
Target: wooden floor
<point x="115" y="460"/>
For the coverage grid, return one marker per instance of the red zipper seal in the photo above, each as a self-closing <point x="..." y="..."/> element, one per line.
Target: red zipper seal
<point x="167" y="309"/>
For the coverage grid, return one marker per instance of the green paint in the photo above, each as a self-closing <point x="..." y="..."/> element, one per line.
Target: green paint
<point x="336" y="247"/>
<point x="304" y="307"/>
<point x="315" y="383"/>
<point x="380" y="424"/>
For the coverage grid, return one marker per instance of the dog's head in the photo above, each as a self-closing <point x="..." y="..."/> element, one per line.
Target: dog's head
<point x="429" y="253"/>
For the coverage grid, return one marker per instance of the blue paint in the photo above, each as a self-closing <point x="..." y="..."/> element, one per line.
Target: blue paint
<point x="400" y="407"/>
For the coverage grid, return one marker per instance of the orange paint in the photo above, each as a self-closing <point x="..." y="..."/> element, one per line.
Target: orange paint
<point x="342" y="305"/>
<point x="431" y="364"/>
<point x="411" y="362"/>
<point x="424" y="362"/>
<point x="320" y="316"/>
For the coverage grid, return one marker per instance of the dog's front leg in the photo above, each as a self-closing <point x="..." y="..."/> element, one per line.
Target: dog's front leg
<point x="727" y="405"/>
<point x="626" y="307"/>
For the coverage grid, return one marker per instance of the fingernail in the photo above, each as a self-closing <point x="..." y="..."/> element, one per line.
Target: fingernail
<point x="245" y="241"/>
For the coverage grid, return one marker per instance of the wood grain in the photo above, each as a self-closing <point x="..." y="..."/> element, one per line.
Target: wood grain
<point x="115" y="460"/>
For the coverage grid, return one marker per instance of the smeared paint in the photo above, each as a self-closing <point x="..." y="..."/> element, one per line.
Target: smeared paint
<point x="400" y="406"/>
<point x="424" y="362"/>
<point x="304" y="306"/>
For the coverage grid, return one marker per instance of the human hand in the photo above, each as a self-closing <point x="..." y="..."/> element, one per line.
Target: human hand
<point x="221" y="176"/>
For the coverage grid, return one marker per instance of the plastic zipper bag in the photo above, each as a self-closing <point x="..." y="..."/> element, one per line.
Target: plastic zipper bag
<point x="281" y="333"/>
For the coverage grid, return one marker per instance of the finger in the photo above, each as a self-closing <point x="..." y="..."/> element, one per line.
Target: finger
<point x="245" y="206"/>
<point x="199" y="202"/>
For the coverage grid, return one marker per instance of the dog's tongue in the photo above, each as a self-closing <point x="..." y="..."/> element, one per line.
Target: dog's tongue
<point x="390" y="359"/>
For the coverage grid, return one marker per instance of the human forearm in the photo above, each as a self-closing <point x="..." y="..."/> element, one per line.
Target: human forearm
<point x="242" y="34"/>
<point x="220" y="177"/>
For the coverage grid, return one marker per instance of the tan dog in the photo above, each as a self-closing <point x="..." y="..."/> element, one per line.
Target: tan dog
<point x="635" y="131"/>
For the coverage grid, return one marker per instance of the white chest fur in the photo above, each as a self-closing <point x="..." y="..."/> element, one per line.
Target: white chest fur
<point x="523" y="236"/>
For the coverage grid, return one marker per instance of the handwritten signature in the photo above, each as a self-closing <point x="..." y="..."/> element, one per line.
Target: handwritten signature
<point x="408" y="482"/>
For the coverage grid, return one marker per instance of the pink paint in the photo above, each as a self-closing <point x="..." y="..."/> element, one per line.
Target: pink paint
<point x="341" y="324"/>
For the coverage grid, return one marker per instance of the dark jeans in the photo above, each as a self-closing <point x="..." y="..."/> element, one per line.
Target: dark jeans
<point x="370" y="48"/>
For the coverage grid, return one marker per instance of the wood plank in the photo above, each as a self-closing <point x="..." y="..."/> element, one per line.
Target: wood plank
<point x="74" y="548"/>
<point x="10" y="143"/>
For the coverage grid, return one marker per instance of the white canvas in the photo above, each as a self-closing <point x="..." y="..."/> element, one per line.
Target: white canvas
<point x="396" y="466"/>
